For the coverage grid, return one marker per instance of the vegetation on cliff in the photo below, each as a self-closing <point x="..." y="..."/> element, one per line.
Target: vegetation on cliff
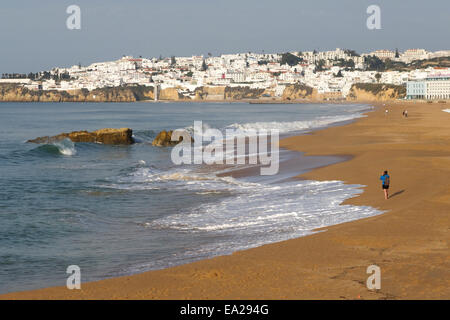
<point x="376" y="91"/>
<point x="239" y="93"/>
<point x="297" y="91"/>
<point x="17" y="93"/>
<point x="139" y="93"/>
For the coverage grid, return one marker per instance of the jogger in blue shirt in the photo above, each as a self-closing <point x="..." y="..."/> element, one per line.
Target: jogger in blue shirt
<point x="385" y="186"/>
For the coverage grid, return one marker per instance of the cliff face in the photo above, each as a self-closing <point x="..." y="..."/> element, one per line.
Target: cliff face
<point x="170" y="94"/>
<point x="292" y="92"/>
<point x="376" y="92"/>
<point x="239" y="93"/>
<point x="210" y="93"/>
<point x="227" y="93"/>
<point x="14" y="93"/>
<point x="299" y="92"/>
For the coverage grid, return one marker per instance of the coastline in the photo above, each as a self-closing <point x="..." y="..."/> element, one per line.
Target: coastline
<point x="409" y="242"/>
<point x="293" y="93"/>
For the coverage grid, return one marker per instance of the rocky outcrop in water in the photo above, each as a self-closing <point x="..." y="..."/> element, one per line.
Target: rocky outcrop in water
<point x="164" y="139"/>
<point x="104" y="136"/>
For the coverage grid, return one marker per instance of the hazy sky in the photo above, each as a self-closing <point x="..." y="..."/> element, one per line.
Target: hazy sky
<point x="34" y="36"/>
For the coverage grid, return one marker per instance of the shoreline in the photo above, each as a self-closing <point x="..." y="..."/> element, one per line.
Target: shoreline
<point x="412" y="253"/>
<point x="243" y="101"/>
<point x="259" y="101"/>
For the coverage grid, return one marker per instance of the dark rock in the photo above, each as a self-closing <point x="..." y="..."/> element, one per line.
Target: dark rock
<point x="164" y="139"/>
<point x="105" y="136"/>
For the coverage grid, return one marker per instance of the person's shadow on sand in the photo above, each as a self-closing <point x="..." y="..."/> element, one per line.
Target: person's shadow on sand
<point x="397" y="193"/>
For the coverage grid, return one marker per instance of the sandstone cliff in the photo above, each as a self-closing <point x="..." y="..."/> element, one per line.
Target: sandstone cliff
<point x="170" y="94"/>
<point x="292" y="92"/>
<point x="227" y="93"/>
<point x="376" y="92"/>
<point x="209" y="93"/>
<point x="15" y="93"/>
<point x="299" y="92"/>
<point x="239" y="93"/>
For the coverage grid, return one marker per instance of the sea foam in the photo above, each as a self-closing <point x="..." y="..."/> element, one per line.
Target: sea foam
<point x="292" y="126"/>
<point x="66" y="147"/>
<point x="248" y="214"/>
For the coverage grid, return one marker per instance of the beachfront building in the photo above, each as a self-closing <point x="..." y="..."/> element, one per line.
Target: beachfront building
<point x="438" y="88"/>
<point x="432" y="88"/>
<point x="416" y="89"/>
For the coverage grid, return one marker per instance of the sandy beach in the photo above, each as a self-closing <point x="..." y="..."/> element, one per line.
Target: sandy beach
<point x="409" y="242"/>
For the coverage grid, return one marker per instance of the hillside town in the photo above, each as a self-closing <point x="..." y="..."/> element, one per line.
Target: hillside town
<point x="331" y="73"/>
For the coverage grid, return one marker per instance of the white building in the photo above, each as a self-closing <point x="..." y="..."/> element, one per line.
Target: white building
<point x="236" y="76"/>
<point x="383" y="54"/>
<point x="414" y="54"/>
<point x="18" y="81"/>
<point x="431" y="88"/>
<point x="439" y="54"/>
<point x="438" y="88"/>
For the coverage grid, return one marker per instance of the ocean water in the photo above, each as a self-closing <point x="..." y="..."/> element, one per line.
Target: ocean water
<point x="118" y="210"/>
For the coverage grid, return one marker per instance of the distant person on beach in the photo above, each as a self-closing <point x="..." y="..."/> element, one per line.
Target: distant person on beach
<point x="386" y="112"/>
<point x="385" y="178"/>
<point x="406" y="113"/>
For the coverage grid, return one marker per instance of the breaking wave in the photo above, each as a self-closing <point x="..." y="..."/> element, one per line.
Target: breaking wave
<point x="244" y="214"/>
<point x="251" y="128"/>
<point x="285" y="127"/>
<point x="65" y="147"/>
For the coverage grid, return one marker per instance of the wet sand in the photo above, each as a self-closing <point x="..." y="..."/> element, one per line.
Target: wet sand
<point x="409" y="242"/>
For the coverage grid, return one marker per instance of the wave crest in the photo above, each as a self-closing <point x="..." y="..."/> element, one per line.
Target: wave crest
<point x="284" y="127"/>
<point x="65" y="147"/>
